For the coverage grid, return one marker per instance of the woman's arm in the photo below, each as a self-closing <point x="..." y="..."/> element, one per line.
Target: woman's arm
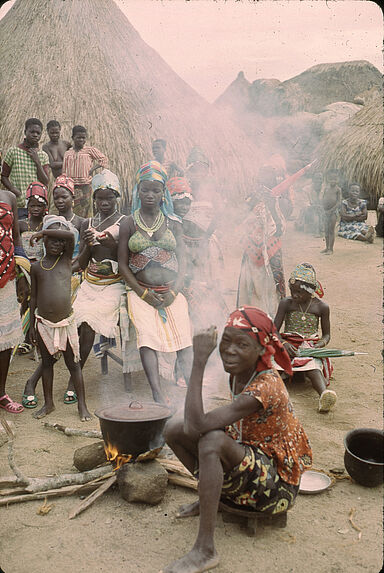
<point x="282" y="310"/>
<point x="196" y="421"/>
<point x="16" y="226"/>
<point x="180" y="255"/>
<point x="325" y="325"/>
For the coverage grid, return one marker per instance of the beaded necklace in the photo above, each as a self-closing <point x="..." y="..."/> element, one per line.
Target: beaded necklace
<point x="303" y="312"/>
<point x="54" y="264"/>
<point x="38" y="228"/>
<point x="102" y="221"/>
<point x="141" y="223"/>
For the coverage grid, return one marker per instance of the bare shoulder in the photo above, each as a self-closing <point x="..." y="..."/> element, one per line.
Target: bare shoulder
<point x="322" y="305"/>
<point x="285" y="303"/>
<point x="7" y="197"/>
<point x="175" y="226"/>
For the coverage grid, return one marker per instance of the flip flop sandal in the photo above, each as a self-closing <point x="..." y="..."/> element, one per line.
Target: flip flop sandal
<point x="11" y="407"/>
<point x="27" y="401"/>
<point x="70" y="397"/>
<point x="24" y="348"/>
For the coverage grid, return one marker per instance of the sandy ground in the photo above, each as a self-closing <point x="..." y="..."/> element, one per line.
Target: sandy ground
<point x="114" y="536"/>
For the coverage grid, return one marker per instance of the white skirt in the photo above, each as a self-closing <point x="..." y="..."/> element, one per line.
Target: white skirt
<point x="11" y="333"/>
<point x="99" y="306"/>
<point x="153" y="332"/>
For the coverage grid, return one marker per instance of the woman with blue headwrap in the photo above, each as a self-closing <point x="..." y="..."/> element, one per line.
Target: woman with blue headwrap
<point x="151" y="261"/>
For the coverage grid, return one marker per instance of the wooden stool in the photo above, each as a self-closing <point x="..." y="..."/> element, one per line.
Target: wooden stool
<point x="248" y="520"/>
<point x="104" y="368"/>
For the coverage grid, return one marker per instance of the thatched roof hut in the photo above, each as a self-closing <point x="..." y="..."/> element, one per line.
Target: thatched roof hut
<point x="82" y="62"/>
<point x="323" y="84"/>
<point x="356" y="149"/>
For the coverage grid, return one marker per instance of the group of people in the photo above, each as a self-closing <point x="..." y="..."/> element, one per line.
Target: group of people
<point x="151" y="278"/>
<point x="327" y="210"/>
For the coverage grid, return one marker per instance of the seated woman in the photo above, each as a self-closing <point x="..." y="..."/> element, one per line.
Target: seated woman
<point x="249" y="453"/>
<point x="353" y="215"/>
<point x="301" y="330"/>
<point x="152" y="262"/>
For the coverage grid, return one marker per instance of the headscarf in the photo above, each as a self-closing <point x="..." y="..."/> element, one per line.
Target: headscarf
<point x="106" y="180"/>
<point x="179" y="188"/>
<point x="306" y="274"/>
<point x="260" y="326"/>
<point x="196" y="155"/>
<point x="52" y="219"/>
<point x="37" y="190"/>
<point x="65" y="182"/>
<point x="153" y="171"/>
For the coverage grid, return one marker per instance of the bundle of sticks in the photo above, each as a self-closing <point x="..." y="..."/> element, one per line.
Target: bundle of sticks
<point x="97" y="480"/>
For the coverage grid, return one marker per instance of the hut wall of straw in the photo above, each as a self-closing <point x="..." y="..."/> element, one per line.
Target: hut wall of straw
<point x="356" y="149"/>
<point x="82" y="62"/>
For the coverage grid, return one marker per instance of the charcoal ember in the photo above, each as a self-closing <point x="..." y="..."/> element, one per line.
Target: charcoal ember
<point x="144" y="482"/>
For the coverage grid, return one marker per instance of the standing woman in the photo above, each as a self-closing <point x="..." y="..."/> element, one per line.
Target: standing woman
<point x="10" y="324"/>
<point x="151" y="261"/>
<point x="97" y="305"/>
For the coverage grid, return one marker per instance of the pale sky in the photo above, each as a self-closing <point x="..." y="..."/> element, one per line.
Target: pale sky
<point x="207" y="42"/>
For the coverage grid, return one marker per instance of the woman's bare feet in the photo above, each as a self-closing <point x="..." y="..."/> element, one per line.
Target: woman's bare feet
<point x="189" y="509"/>
<point x="193" y="562"/>
<point x="84" y="415"/>
<point x="44" y="411"/>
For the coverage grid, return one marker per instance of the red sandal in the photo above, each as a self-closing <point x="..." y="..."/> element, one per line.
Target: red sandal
<point x="11" y="407"/>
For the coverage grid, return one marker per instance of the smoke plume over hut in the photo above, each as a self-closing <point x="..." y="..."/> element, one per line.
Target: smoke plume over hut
<point x="82" y="62"/>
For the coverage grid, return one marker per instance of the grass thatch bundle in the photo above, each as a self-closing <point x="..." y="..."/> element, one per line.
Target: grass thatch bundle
<point x="81" y="62"/>
<point x="356" y="149"/>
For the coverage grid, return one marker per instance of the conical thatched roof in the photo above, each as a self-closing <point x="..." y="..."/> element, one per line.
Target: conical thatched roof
<point x="82" y="62"/>
<point x="356" y="149"/>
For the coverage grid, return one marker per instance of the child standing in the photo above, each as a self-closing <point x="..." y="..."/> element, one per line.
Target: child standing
<point x="37" y="203"/>
<point x="330" y="201"/>
<point x="55" y="330"/>
<point x="77" y="164"/>
<point x="301" y="313"/>
<point x="63" y="198"/>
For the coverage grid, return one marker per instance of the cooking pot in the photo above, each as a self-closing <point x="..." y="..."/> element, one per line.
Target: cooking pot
<point x="363" y="456"/>
<point x="134" y="428"/>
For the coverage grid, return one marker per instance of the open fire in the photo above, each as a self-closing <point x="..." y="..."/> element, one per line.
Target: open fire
<point x="113" y="455"/>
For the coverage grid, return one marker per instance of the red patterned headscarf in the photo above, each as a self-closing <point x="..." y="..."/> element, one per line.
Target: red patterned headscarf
<point x="179" y="188"/>
<point x="65" y="182"/>
<point x="38" y="191"/>
<point x="260" y="326"/>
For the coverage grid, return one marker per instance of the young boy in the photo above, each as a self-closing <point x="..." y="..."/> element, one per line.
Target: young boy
<point x="55" y="330"/>
<point x="24" y="164"/>
<point x="77" y="164"/>
<point x="330" y="201"/>
<point x="55" y="148"/>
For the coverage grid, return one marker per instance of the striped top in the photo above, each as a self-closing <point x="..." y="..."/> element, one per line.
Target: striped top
<point x="22" y="170"/>
<point x="77" y="164"/>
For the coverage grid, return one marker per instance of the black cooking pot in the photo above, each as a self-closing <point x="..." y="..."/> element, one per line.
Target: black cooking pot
<point x="134" y="428"/>
<point x="364" y="456"/>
